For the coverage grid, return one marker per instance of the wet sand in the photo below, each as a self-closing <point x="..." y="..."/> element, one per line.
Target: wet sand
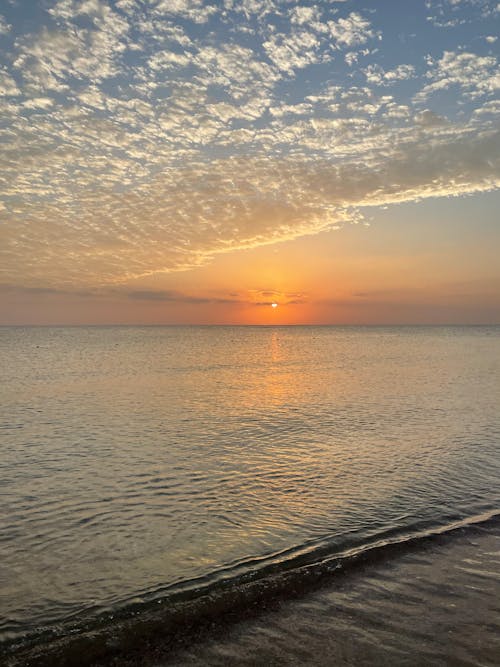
<point x="431" y="601"/>
<point x="435" y="605"/>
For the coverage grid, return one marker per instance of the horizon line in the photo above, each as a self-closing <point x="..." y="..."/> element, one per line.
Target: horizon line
<point x="264" y="326"/>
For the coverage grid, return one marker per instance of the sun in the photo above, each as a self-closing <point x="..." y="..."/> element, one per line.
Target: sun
<point x="274" y="305"/>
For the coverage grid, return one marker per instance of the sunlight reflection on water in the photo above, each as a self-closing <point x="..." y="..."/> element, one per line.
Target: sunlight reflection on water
<point x="133" y="459"/>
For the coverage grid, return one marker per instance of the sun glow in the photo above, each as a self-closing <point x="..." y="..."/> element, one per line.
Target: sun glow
<point x="274" y="305"/>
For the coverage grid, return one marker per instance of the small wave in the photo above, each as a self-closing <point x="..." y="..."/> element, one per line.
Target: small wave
<point x="193" y="606"/>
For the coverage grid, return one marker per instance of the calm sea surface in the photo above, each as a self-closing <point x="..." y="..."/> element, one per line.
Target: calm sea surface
<point x="140" y="462"/>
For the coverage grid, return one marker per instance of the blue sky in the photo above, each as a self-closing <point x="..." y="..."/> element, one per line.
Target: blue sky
<point x="145" y="137"/>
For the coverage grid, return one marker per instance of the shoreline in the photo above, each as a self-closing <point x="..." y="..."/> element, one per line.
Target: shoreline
<point x="435" y="605"/>
<point x="163" y="630"/>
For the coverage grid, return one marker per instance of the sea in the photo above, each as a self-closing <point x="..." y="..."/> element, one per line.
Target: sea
<point x="143" y="468"/>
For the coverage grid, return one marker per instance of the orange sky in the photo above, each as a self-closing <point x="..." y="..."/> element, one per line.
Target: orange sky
<point x="414" y="263"/>
<point x="192" y="162"/>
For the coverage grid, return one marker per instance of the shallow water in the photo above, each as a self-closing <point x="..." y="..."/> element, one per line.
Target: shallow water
<point x="437" y="604"/>
<point x="137" y="462"/>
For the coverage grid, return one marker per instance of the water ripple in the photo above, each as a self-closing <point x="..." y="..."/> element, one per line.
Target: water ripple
<point x="191" y="454"/>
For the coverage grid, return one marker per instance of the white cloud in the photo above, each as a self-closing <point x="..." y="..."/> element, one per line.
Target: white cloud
<point x="305" y="15"/>
<point x="39" y="103"/>
<point x="489" y="108"/>
<point x="4" y="26"/>
<point x="184" y="215"/>
<point x="197" y="11"/>
<point x="291" y="109"/>
<point x="428" y="118"/>
<point x="68" y="9"/>
<point x="453" y="13"/>
<point x="147" y="136"/>
<point x="475" y="75"/>
<point x="291" y="52"/>
<point x="350" y="31"/>
<point x="51" y="59"/>
<point x="8" y="86"/>
<point x="378" y="76"/>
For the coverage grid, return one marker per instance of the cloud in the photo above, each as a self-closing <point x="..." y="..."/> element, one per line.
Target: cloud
<point x="350" y="31"/>
<point x="194" y="10"/>
<point x="295" y="51"/>
<point x="452" y="13"/>
<point x="266" y="297"/>
<point x="490" y="108"/>
<point x="252" y="298"/>
<point x="4" y="26"/>
<point x="7" y="288"/>
<point x="172" y="296"/>
<point x="55" y="57"/>
<point x="8" y="86"/>
<point x="238" y="203"/>
<point x="145" y="137"/>
<point x="475" y="75"/>
<point x="428" y="118"/>
<point x="376" y="74"/>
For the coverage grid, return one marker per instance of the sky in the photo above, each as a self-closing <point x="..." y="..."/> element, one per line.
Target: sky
<point x="195" y="161"/>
